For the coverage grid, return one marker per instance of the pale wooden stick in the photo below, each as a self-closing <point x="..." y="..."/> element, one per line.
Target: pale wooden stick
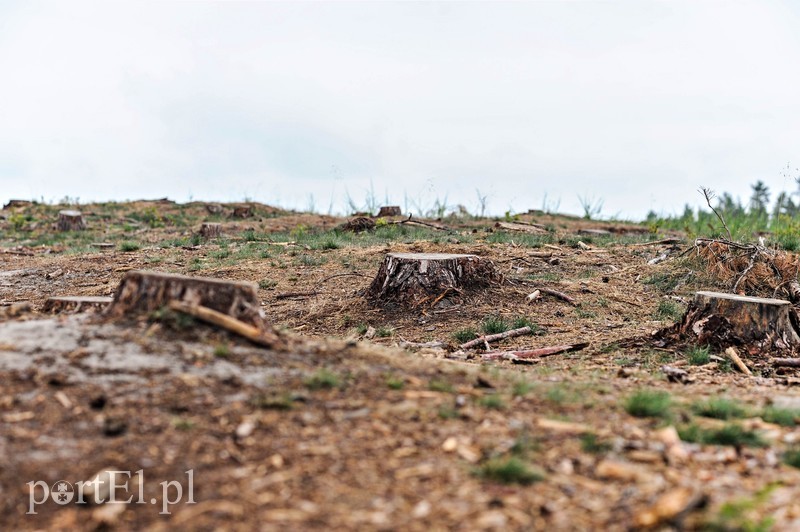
<point x="494" y="337"/>
<point x="535" y="353"/>
<point x="252" y="333"/>
<point x="734" y="355"/>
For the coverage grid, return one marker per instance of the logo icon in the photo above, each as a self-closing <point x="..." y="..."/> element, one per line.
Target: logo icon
<point x="62" y="492"/>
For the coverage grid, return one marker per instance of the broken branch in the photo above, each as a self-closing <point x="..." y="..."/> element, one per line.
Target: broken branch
<point x="535" y="353"/>
<point x="494" y="337"/>
<point x="245" y="330"/>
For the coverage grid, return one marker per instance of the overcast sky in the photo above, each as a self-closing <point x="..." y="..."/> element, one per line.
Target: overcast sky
<point x="635" y="104"/>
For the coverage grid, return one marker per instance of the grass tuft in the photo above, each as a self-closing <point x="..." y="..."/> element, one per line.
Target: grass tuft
<point x="729" y="434"/>
<point x="322" y="379"/>
<point x="648" y="403"/>
<point x="720" y="408"/>
<point x="699" y="356"/>
<point x="465" y="335"/>
<point x="494" y="325"/>
<point x="785" y="417"/>
<point x="510" y="470"/>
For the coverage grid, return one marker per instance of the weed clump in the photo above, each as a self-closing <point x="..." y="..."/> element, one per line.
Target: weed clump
<point x="649" y="403"/>
<point x="699" y="356"/>
<point x="511" y="470"/>
<point x="323" y="379"/>
<point x="720" y="408"/>
<point x="730" y="434"/>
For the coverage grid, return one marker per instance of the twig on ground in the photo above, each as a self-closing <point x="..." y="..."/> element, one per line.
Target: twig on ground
<point x="734" y="356"/>
<point x="292" y="295"/>
<point x="534" y="353"/>
<point x="229" y="323"/>
<point x="494" y="337"/>
<point x="559" y="295"/>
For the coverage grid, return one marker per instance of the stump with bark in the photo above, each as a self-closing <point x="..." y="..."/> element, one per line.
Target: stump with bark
<point x="211" y="230"/>
<point x="70" y="221"/>
<point x="143" y="292"/>
<point x="245" y="211"/>
<point x="75" y="304"/>
<point x="16" y="203"/>
<point x="434" y="278"/>
<point x="390" y="210"/>
<point x="757" y="324"/>
<point x="214" y="208"/>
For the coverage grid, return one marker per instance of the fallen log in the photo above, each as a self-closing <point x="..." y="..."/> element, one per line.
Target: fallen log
<point x="211" y="230"/>
<point x="494" y="337"/>
<point x="520" y="227"/>
<point x="534" y="353"/>
<point x="786" y="362"/>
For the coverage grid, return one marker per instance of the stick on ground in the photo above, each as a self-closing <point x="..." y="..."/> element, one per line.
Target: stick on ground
<point x="245" y="330"/>
<point x="494" y="337"/>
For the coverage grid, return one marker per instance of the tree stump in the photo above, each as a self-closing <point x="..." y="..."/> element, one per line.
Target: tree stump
<point x="725" y="320"/>
<point x="416" y="278"/>
<point x="214" y="208"/>
<point x="390" y="210"/>
<point x="70" y="221"/>
<point x="245" y="211"/>
<point x="75" y="304"/>
<point x="17" y="203"/>
<point x="142" y="292"/>
<point x="210" y="230"/>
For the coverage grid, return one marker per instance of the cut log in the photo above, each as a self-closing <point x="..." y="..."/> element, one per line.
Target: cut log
<point x="70" y="221"/>
<point x="211" y="230"/>
<point x="389" y="210"/>
<point x="75" y="304"/>
<point x="142" y="292"/>
<point x="521" y="227"/>
<point x="724" y="320"/>
<point x="242" y="211"/>
<point x="415" y="278"/>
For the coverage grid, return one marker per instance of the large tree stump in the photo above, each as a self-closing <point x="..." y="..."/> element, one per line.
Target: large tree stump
<point x="16" y="203"/>
<point x="724" y="320"/>
<point x="242" y="211"/>
<point x="416" y="278"/>
<point x="70" y="221"/>
<point x="142" y="292"/>
<point x="75" y="304"/>
<point x="390" y="210"/>
<point x="210" y="230"/>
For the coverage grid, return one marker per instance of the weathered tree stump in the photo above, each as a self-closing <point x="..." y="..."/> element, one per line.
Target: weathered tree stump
<point x="242" y="211"/>
<point x="390" y="210"/>
<point x="210" y="230"/>
<point x="142" y="292"/>
<point x="416" y="278"/>
<point x="214" y="208"/>
<point x="724" y="320"/>
<point x="75" y="304"/>
<point x="358" y="225"/>
<point x="70" y="221"/>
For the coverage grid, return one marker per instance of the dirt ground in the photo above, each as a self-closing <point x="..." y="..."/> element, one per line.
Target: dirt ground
<point x="353" y="426"/>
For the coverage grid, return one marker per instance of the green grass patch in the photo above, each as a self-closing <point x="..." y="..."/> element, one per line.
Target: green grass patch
<point x="395" y="383"/>
<point x="494" y="325"/>
<point x="437" y="385"/>
<point x="465" y="335"/>
<point x="592" y="444"/>
<point x="668" y="310"/>
<point x="323" y="379"/>
<point x="720" y="408"/>
<point x="729" y="434"/>
<point x="786" y="417"/>
<point x="222" y="351"/>
<point x="649" y="403"/>
<point x="492" y="401"/>
<point x="699" y="356"/>
<point x="129" y="246"/>
<point x="510" y="470"/>
<point x="792" y="457"/>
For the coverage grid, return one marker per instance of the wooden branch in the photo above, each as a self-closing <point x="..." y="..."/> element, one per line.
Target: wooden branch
<point x="660" y="242"/>
<point x="494" y="337"/>
<point x="535" y="353"/>
<point x="734" y="355"/>
<point x="290" y="295"/>
<point x="786" y="362"/>
<point x="245" y="330"/>
<point x="418" y="222"/>
<point x="559" y="295"/>
<point x="432" y="345"/>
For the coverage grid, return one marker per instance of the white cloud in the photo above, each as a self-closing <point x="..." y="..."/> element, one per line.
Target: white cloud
<point x="635" y="103"/>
